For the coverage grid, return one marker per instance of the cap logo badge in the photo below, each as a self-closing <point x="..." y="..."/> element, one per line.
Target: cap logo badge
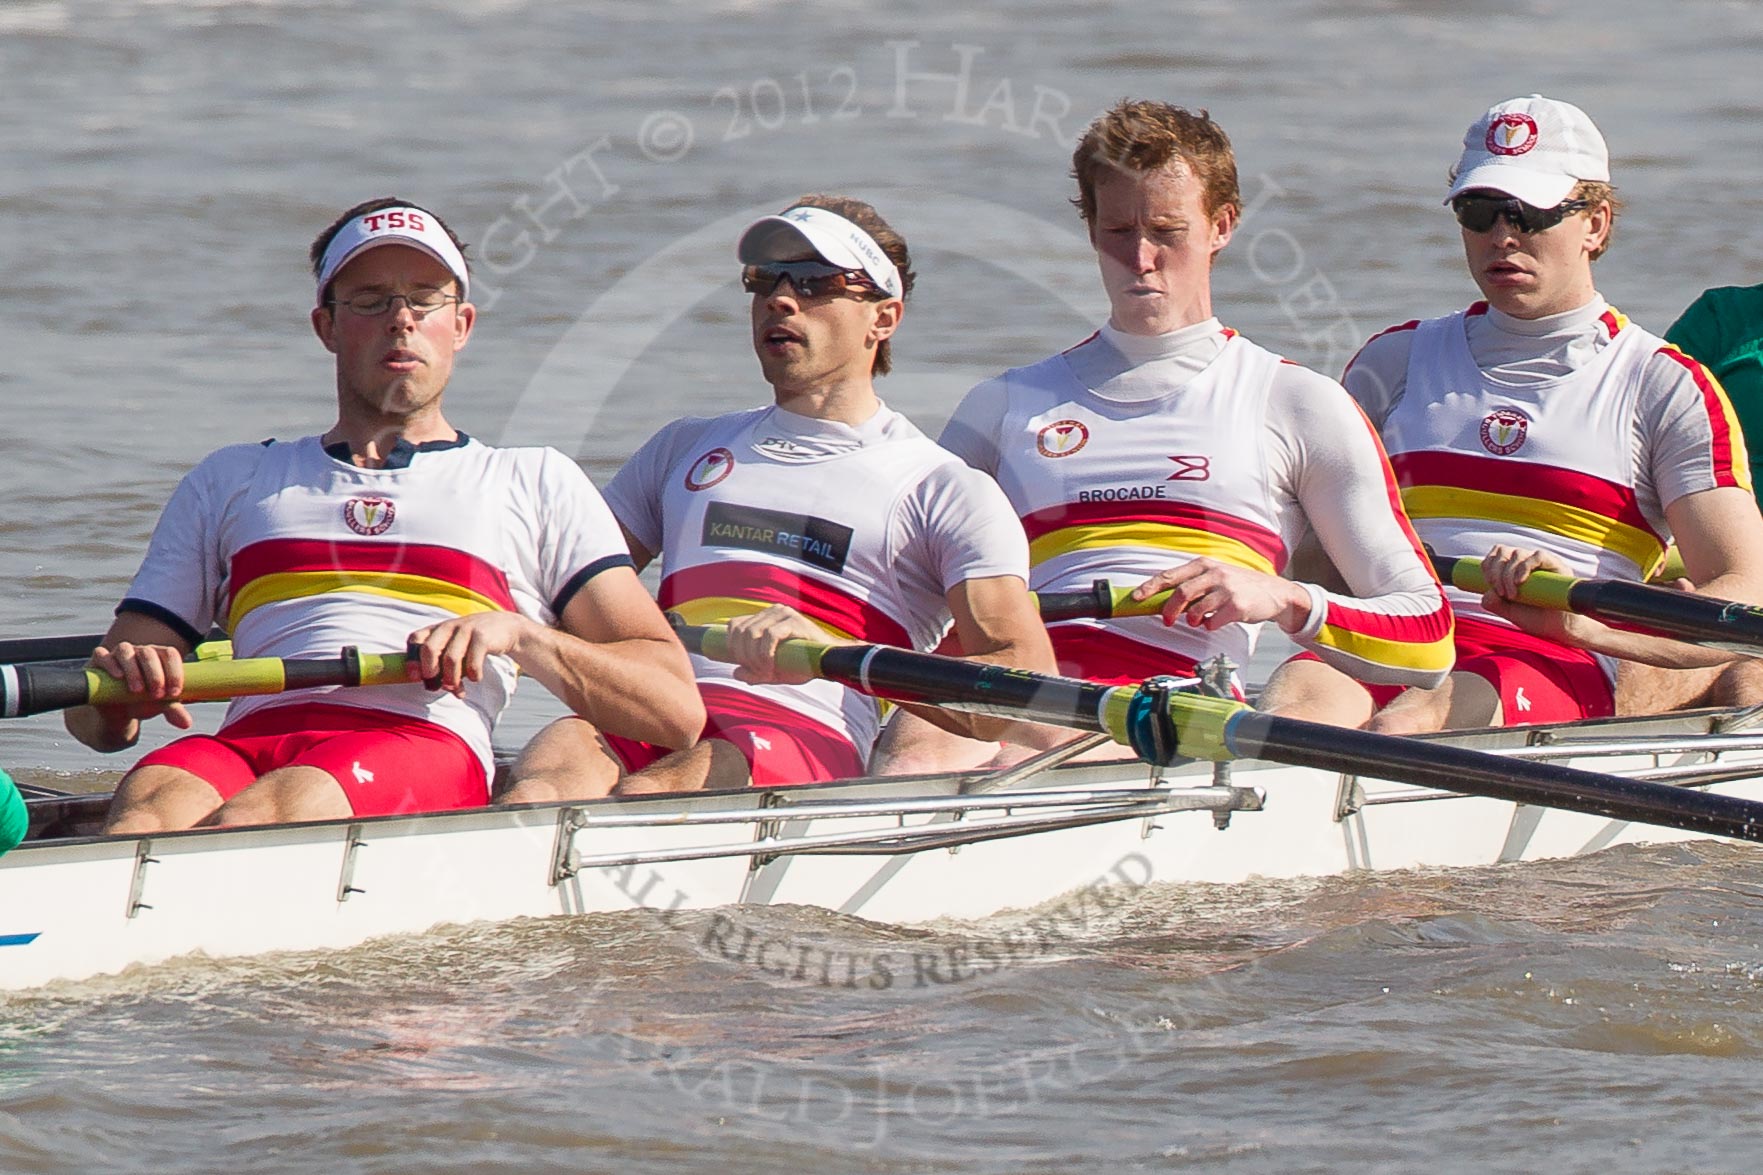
<point x="1503" y="431"/>
<point x="1512" y="134"/>
<point x="1062" y="438"/>
<point x="709" y="469"/>
<point x="369" y="516"/>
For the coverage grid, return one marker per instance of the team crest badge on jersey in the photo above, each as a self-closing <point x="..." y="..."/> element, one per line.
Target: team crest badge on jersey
<point x="1512" y="134"/>
<point x="369" y="516"/>
<point x="1062" y="438"/>
<point x="1503" y="431"/>
<point x="709" y="469"/>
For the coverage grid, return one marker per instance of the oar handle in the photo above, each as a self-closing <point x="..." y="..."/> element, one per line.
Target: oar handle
<point x="1544" y="589"/>
<point x="1684" y="616"/>
<point x="38" y="689"/>
<point x="1103" y="601"/>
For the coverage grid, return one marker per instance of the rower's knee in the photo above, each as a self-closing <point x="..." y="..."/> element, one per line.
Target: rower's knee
<point x="713" y="764"/>
<point x="1739" y="684"/>
<point x="568" y="760"/>
<point x="912" y="746"/>
<point x="285" y="796"/>
<point x="159" y="799"/>
<point x="1316" y="693"/>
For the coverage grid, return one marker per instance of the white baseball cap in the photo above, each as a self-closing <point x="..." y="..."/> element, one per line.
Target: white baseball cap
<point x="1534" y="148"/>
<point x="393" y="226"/>
<point x="836" y="240"/>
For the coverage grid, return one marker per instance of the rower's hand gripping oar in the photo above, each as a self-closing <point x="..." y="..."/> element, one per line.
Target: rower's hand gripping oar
<point x="37" y="689"/>
<point x="1694" y="619"/>
<point x="1161" y="725"/>
<point x="1103" y="601"/>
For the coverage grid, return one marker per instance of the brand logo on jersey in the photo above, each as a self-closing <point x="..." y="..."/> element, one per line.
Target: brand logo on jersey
<point x="1512" y="134"/>
<point x="709" y="469"/>
<point x="1062" y="438"/>
<point x="781" y="447"/>
<point x="1191" y="467"/>
<point x="369" y="516"/>
<point x="813" y="541"/>
<point x="1503" y="431"/>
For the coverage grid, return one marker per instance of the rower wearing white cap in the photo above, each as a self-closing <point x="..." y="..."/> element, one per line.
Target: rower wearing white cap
<point x="1539" y="429"/>
<point x="825" y="515"/>
<point x="393" y="527"/>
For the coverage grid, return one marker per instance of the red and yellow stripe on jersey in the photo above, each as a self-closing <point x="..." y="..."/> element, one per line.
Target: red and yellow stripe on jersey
<point x="1176" y="527"/>
<point x="712" y="593"/>
<point x="1580" y="507"/>
<point x="1422" y="640"/>
<point x="274" y="570"/>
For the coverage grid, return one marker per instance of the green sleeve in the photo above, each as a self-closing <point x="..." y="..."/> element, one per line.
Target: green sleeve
<point x="13" y="817"/>
<point x="1697" y="330"/>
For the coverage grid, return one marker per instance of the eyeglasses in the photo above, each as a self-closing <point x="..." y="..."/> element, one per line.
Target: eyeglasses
<point x="810" y="279"/>
<point x="371" y="305"/>
<point x="1478" y="213"/>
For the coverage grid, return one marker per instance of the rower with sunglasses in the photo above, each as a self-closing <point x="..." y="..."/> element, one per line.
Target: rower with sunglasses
<point x="1541" y="430"/>
<point x="391" y="529"/>
<point x="824" y="515"/>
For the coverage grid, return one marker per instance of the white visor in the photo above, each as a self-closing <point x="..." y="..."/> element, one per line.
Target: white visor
<point x="833" y="238"/>
<point x="393" y="226"/>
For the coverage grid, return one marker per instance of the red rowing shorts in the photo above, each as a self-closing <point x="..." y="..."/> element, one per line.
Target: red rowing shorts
<point x="1537" y="679"/>
<point x="780" y="745"/>
<point x="385" y="763"/>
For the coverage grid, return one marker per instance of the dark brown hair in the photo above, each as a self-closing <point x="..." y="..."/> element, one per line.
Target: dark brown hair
<point x="865" y="217"/>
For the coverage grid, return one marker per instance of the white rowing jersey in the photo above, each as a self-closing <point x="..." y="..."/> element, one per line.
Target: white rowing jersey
<point x="862" y="529"/>
<point x="1125" y="456"/>
<point x="1570" y="435"/>
<point x="298" y="553"/>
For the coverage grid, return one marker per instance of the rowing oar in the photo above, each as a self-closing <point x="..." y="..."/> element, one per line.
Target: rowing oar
<point x="25" y="650"/>
<point x="37" y="689"/>
<point x="1162" y="725"/>
<point x="1103" y="601"/>
<point x="29" y="650"/>
<point x="1684" y="616"/>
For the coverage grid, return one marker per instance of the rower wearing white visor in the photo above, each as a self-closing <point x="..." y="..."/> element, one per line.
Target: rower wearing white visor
<point x="391" y="529"/>
<point x="1168" y="452"/>
<point x="824" y="515"/>
<point x="1541" y="430"/>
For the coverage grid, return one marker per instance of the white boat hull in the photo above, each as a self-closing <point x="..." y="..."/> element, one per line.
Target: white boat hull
<point x="881" y="849"/>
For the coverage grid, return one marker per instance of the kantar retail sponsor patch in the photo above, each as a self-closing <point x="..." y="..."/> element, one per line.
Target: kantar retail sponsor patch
<point x="813" y="541"/>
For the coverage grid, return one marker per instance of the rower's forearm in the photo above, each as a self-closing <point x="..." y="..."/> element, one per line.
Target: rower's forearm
<point x="1035" y="656"/>
<point x="1659" y="651"/>
<point x="99" y="730"/>
<point x="639" y="688"/>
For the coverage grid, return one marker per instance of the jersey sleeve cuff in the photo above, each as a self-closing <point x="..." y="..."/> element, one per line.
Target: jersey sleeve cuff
<point x="580" y="579"/>
<point x="1318" y="614"/>
<point x="162" y="614"/>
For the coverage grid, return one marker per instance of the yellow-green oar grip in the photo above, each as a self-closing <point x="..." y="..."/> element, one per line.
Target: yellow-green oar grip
<point x="1544" y="589"/>
<point x="1125" y="605"/>
<point x="384" y="668"/>
<point x="793" y="657"/>
<point x="204" y="681"/>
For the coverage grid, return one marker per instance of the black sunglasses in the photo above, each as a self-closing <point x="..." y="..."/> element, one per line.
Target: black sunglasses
<point x="810" y="279"/>
<point x="1478" y="213"/>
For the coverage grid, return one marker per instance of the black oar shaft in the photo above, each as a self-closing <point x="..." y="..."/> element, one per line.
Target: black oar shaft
<point x="1523" y="781"/>
<point x="972" y="686"/>
<point x="1159" y="725"/>
<point x="48" y="648"/>
<point x="1684" y="616"/>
